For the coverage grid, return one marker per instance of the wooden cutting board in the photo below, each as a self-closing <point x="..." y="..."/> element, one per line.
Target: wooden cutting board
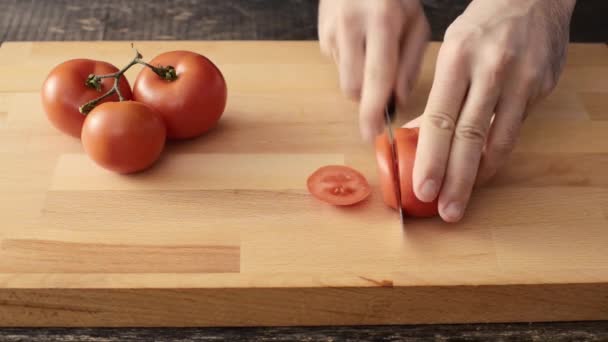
<point x="223" y="232"/>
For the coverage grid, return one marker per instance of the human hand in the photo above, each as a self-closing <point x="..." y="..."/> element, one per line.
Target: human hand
<point x="497" y="59"/>
<point x="377" y="46"/>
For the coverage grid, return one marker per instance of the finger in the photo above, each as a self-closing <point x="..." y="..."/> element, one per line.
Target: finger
<point x="382" y="52"/>
<point x="351" y="46"/>
<point x="327" y="44"/>
<point x="504" y="132"/>
<point x="412" y="51"/>
<point x="467" y="145"/>
<point x="326" y="28"/>
<point x="438" y="122"/>
<point x="335" y="54"/>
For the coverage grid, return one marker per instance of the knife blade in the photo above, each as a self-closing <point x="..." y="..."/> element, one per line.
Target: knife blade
<point x="389" y="114"/>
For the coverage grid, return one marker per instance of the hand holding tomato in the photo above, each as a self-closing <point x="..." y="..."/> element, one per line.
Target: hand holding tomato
<point x="497" y="59"/>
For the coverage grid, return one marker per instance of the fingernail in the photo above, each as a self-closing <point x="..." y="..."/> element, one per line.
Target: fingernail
<point x="428" y="191"/>
<point x="453" y="211"/>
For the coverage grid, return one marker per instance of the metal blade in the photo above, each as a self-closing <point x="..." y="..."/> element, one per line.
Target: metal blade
<point x="387" y="116"/>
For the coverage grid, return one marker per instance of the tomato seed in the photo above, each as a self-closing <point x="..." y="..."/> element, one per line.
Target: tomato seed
<point x="340" y="190"/>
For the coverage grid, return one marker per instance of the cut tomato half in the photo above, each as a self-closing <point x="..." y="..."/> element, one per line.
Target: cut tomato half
<point x="338" y="185"/>
<point x="406" y="142"/>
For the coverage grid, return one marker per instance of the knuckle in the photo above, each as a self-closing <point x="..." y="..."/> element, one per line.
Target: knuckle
<point x="459" y="36"/>
<point x="492" y="77"/>
<point x="453" y="32"/>
<point x="351" y="89"/>
<point x="327" y="43"/>
<point x="377" y="75"/>
<point x="502" y="148"/>
<point x="454" y="51"/>
<point x="531" y="76"/>
<point x="499" y="58"/>
<point x="349" y="18"/>
<point x="385" y="14"/>
<point x="470" y="133"/>
<point x="441" y="120"/>
<point x="547" y="86"/>
<point x="325" y="47"/>
<point x="326" y="30"/>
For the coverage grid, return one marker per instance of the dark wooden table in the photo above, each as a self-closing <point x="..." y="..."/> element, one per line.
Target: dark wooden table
<point x="226" y="19"/>
<point x="36" y="20"/>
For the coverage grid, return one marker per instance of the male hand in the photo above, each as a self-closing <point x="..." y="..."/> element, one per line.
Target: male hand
<point x="498" y="58"/>
<point x="377" y="46"/>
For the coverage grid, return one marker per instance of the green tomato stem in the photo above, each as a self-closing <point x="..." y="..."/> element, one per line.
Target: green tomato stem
<point x="88" y="107"/>
<point x="165" y="72"/>
<point x="94" y="81"/>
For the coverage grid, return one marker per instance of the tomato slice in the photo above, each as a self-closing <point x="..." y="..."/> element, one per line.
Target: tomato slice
<point x="406" y="142"/>
<point x="338" y="185"/>
<point x="386" y="171"/>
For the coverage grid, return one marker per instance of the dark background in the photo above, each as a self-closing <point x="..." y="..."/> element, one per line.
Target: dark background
<point x="22" y="20"/>
<point x="43" y="20"/>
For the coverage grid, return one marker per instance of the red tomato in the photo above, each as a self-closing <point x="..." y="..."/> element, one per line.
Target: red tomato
<point x="190" y="105"/>
<point x="338" y="185"/>
<point x="64" y="91"/>
<point x="406" y="141"/>
<point x="124" y="137"/>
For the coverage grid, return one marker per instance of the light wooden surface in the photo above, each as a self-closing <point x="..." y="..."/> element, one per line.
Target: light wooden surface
<point x="223" y="232"/>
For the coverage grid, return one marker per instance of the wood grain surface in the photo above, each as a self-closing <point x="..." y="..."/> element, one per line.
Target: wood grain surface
<point x="222" y="231"/>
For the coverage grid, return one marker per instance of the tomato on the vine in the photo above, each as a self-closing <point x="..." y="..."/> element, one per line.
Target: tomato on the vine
<point x="406" y="142"/>
<point x="124" y="137"/>
<point x="191" y="101"/>
<point x="65" y="90"/>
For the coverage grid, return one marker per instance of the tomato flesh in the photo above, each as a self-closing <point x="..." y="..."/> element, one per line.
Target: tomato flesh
<point x="406" y="142"/>
<point x="338" y="185"/>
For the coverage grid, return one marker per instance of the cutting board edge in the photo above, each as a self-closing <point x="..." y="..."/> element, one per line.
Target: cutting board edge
<point x="303" y="307"/>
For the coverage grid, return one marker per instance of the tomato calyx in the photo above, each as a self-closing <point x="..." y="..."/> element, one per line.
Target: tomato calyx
<point x="167" y="73"/>
<point x="94" y="81"/>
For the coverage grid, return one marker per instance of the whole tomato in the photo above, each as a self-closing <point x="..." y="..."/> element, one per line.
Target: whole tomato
<point x="124" y="137"/>
<point x="406" y="142"/>
<point x="192" y="103"/>
<point x="65" y="90"/>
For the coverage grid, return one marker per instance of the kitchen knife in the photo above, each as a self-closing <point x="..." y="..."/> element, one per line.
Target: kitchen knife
<point x="389" y="115"/>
